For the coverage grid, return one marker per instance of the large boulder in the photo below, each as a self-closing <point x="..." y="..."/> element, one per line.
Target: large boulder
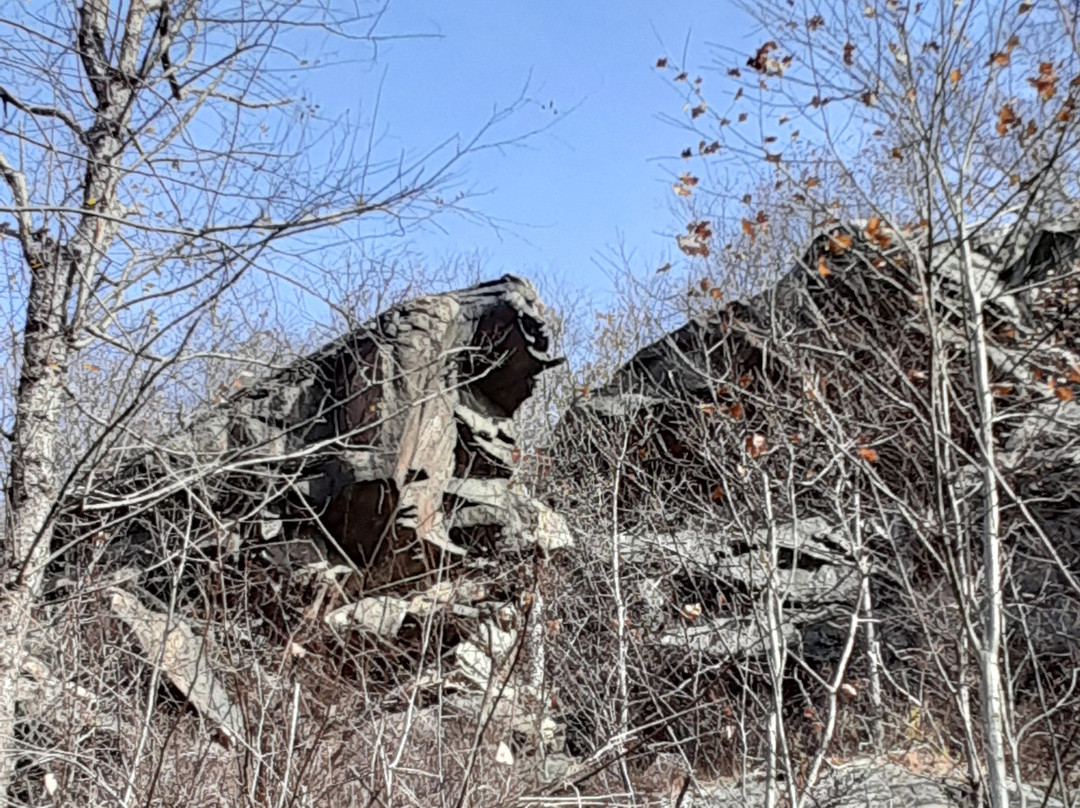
<point x="360" y="499"/>
<point x="783" y="454"/>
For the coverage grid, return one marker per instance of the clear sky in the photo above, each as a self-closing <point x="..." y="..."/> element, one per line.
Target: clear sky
<point x="601" y="174"/>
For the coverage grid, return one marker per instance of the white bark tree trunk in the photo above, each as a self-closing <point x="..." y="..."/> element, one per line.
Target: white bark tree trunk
<point x="992" y="605"/>
<point x="32" y="490"/>
<point x="61" y="272"/>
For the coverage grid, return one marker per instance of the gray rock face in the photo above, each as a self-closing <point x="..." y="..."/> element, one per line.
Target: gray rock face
<point x="776" y="495"/>
<point x="374" y="475"/>
<point x="819" y="381"/>
<point x="378" y="439"/>
<point x="824" y="583"/>
<point x="861" y="783"/>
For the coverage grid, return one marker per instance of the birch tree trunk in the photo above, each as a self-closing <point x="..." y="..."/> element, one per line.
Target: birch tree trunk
<point x="58" y="268"/>
<point x="98" y="176"/>
<point x="32" y="490"/>
<point x="992" y="606"/>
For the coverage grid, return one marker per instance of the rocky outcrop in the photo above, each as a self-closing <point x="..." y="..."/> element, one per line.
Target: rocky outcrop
<point x="799" y="423"/>
<point x="906" y="782"/>
<point x="358" y="509"/>
<point x="366" y="442"/>
<point x="366" y="487"/>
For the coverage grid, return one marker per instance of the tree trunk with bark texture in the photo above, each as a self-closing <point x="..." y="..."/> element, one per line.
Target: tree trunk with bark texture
<point x="61" y="279"/>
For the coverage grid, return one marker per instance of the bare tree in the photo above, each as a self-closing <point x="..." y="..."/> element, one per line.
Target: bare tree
<point x="162" y="187"/>
<point x="949" y="125"/>
<point x="875" y="410"/>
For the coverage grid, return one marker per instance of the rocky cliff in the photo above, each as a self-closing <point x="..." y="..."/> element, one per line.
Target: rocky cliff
<point x="359" y="499"/>
<point x="780" y="471"/>
<point x="826" y="378"/>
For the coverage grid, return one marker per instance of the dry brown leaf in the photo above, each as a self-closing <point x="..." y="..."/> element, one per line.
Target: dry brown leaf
<point x="1046" y="82"/>
<point x="839" y="243"/>
<point x="1006" y="118"/>
<point x="748" y="228"/>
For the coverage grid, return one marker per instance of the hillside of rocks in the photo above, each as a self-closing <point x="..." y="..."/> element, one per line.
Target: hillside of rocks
<point x="793" y="481"/>
<point x="348" y="548"/>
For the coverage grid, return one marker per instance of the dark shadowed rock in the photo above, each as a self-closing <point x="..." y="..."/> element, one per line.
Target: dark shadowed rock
<point x="370" y="480"/>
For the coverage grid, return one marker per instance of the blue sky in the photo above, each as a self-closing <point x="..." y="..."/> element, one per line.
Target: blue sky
<point x="599" y="174"/>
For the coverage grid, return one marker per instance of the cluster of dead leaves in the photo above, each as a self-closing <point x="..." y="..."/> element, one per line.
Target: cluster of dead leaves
<point x="764" y="62"/>
<point x="840" y="242"/>
<point x="1060" y="386"/>
<point x="875" y="233"/>
<point x="1045" y="83"/>
<point x="696" y="240"/>
<point x="1006" y="119"/>
<point x="1003" y="57"/>
<point x="1046" y="86"/>
<point x="715" y="292"/>
<point x="685" y="184"/>
<point x="704" y="149"/>
<point x="759" y="224"/>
